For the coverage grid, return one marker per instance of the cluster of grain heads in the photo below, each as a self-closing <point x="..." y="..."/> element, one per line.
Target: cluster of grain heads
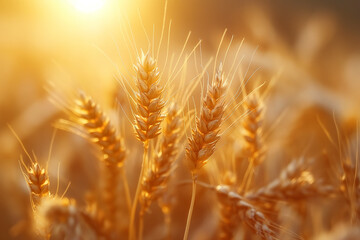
<point x="90" y="119"/>
<point x="247" y="213"/>
<point x="38" y="181"/>
<point x="148" y="99"/>
<point x="253" y="148"/>
<point x="155" y="181"/>
<point x="295" y="183"/>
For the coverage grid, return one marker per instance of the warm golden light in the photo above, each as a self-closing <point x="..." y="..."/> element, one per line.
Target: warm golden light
<point x="88" y="6"/>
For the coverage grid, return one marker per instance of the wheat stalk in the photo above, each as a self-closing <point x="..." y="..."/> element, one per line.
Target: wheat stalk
<point x="155" y="182"/>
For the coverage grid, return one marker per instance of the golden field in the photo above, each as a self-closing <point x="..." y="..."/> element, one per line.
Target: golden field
<point x="179" y="119"/>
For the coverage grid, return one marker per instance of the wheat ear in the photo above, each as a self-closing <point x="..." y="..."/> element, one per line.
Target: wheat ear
<point x="38" y="180"/>
<point x="252" y="129"/>
<point x="247" y="213"/>
<point x="295" y="183"/>
<point x="149" y="103"/>
<point x="206" y="133"/>
<point x="156" y="180"/>
<point x="253" y="148"/>
<point x="148" y="98"/>
<point x="88" y="115"/>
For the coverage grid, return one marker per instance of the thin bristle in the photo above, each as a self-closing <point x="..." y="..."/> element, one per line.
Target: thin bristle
<point x="155" y="182"/>
<point x="149" y="100"/>
<point x="206" y="133"/>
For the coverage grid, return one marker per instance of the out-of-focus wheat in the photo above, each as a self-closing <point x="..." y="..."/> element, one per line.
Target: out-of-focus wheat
<point x="252" y="129"/>
<point x="155" y="182"/>
<point x="61" y="219"/>
<point x="88" y="117"/>
<point x="247" y="212"/>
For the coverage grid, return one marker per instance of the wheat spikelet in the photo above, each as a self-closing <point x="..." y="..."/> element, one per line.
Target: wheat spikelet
<point x="247" y="213"/>
<point x="89" y="116"/>
<point x="149" y="100"/>
<point x="252" y="129"/>
<point x="38" y="181"/>
<point x="155" y="182"/>
<point x="206" y="133"/>
<point x="295" y="183"/>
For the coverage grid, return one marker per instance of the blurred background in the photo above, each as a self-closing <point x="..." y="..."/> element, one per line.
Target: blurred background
<point x="313" y="46"/>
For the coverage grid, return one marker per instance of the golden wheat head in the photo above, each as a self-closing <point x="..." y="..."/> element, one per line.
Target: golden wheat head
<point x="149" y="100"/>
<point x="206" y="133"/>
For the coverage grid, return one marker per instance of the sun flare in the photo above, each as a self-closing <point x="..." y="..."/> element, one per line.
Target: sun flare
<point x="88" y="6"/>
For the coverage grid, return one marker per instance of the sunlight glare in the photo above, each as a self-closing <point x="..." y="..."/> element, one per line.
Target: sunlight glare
<point x="88" y="6"/>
